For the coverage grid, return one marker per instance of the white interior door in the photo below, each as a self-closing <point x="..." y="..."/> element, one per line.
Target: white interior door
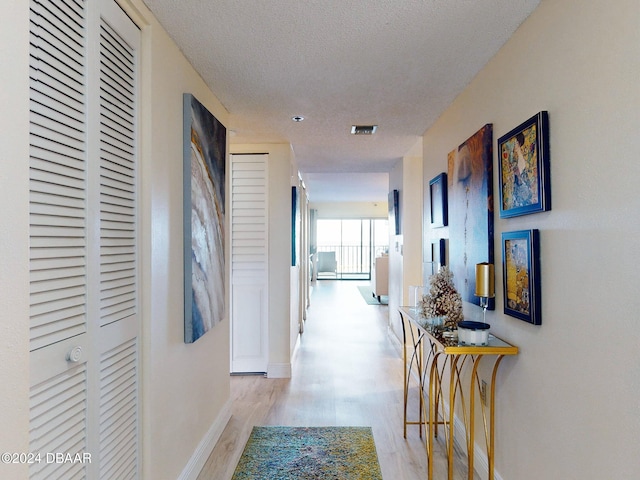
<point x="84" y="318"/>
<point x="249" y="264"/>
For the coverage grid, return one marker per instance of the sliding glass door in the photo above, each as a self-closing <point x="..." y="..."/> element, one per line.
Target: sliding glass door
<point x="346" y="247"/>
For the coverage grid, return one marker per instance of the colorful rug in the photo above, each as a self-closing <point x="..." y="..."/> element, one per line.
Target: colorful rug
<point x="283" y="453"/>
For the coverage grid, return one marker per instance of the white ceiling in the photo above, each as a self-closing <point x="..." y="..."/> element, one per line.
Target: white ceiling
<point x="394" y="63"/>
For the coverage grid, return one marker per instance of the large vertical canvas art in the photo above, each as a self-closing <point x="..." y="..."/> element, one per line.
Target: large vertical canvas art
<point x="204" y="219"/>
<point x="471" y="211"/>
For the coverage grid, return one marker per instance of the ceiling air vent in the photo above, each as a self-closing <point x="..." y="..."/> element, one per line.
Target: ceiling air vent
<point x="363" y="129"/>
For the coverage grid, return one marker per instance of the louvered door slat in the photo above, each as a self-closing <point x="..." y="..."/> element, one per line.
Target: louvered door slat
<point x="115" y="111"/>
<point x="116" y="60"/>
<point x="70" y="173"/>
<point x="114" y="94"/>
<point x="127" y="211"/>
<point x="65" y="27"/>
<point x="119" y="253"/>
<point x="115" y="72"/>
<point x="55" y="48"/>
<point x="58" y="412"/>
<point x="48" y="210"/>
<point x="116" y="119"/>
<point x="117" y="57"/>
<point x="64" y="322"/>
<point x="115" y="148"/>
<point x="51" y="64"/>
<point x="120" y="139"/>
<point x="118" y="406"/>
<point x="117" y="168"/>
<point x="49" y="139"/>
<point x="117" y="163"/>
<point x="63" y="107"/>
<point x="71" y="13"/>
<point x="57" y="283"/>
<point x="114" y="261"/>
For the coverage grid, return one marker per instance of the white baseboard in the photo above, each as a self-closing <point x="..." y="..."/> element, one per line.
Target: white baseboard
<point x="279" y="370"/>
<point x="201" y="454"/>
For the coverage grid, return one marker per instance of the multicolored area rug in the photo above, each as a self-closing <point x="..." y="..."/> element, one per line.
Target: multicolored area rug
<point x="283" y="453"/>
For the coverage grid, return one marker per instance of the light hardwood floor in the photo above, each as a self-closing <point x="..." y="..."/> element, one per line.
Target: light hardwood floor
<point x="347" y="371"/>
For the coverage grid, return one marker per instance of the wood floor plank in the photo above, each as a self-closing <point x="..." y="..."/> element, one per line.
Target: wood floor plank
<point x="347" y="372"/>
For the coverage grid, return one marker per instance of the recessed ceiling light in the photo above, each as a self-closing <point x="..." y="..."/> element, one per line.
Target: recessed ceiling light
<point x="297" y="118"/>
<point x="363" y="129"/>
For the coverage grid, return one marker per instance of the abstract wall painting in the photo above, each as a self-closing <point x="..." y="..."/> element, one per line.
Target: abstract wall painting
<point x="525" y="183"/>
<point x="204" y="174"/>
<point x="471" y="211"/>
<point x="521" y="265"/>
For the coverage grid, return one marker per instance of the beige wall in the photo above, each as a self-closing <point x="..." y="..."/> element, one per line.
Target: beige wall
<point x="185" y="387"/>
<point x="405" y="250"/>
<point x="14" y="234"/>
<point x="568" y="404"/>
<point x="281" y="166"/>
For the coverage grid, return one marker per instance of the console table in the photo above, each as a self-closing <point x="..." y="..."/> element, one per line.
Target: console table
<point x="440" y="361"/>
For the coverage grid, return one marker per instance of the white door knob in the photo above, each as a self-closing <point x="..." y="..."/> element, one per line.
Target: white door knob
<point x="75" y="354"/>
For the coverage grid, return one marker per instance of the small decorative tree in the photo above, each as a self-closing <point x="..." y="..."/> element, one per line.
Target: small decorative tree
<point x="443" y="300"/>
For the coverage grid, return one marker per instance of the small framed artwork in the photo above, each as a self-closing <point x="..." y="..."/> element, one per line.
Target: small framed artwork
<point x="295" y="225"/>
<point x="439" y="252"/>
<point x="394" y="210"/>
<point x="521" y="275"/>
<point x="438" y="201"/>
<point x="525" y="183"/>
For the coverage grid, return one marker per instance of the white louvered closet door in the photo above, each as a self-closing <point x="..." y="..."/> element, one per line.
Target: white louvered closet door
<point x="84" y="319"/>
<point x="249" y="264"/>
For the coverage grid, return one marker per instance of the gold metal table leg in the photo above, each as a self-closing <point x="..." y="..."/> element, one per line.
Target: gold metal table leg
<point x="435" y="388"/>
<point x="408" y="363"/>
<point x="492" y="417"/>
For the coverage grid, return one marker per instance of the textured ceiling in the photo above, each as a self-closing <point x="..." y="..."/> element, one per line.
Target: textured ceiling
<point x="394" y="63"/>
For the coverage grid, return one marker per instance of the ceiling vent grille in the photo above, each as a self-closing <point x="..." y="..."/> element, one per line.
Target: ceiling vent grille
<point x="363" y="129"/>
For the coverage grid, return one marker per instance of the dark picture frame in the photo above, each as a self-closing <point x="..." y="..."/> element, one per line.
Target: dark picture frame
<point x="295" y="226"/>
<point x="394" y="210"/>
<point x="439" y="252"/>
<point x="521" y="275"/>
<point x="438" y="201"/>
<point x="525" y="177"/>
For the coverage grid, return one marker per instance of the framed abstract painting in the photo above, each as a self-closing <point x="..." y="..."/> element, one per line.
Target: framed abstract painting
<point x="525" y="177"/>
<point x="471" y="212"/>
<point x="204" y="172"/>
<point x="521" y="275"/>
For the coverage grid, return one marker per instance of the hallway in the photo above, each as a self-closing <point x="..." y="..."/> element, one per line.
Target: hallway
<point x="347" y="372"/>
